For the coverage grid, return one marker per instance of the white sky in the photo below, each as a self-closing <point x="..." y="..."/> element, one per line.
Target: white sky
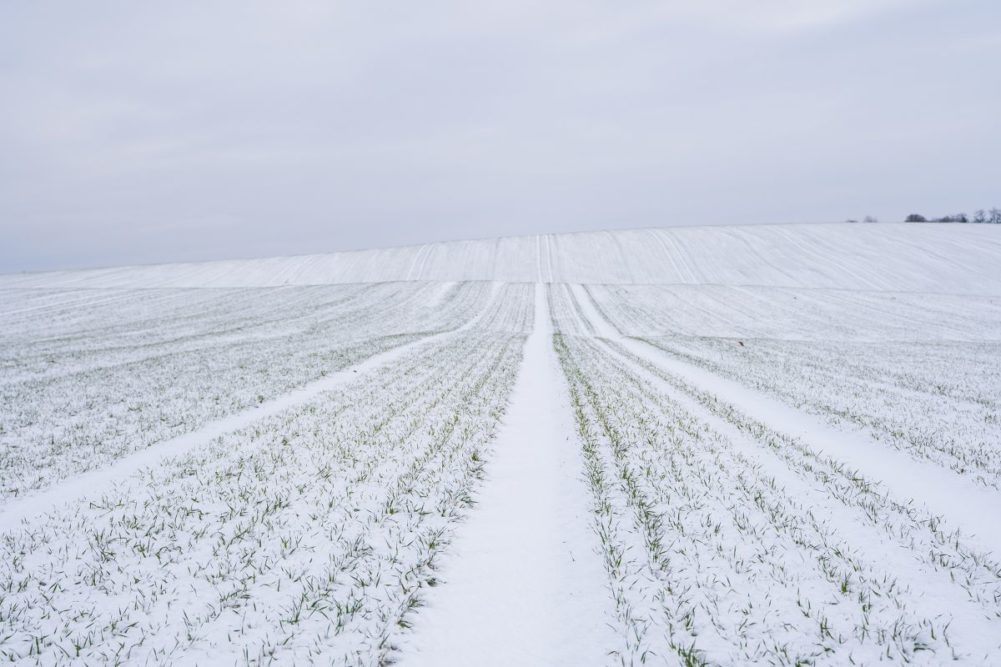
<point x="136" y="132"/>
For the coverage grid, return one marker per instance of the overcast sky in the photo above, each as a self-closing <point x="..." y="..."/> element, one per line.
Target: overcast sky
<point x="135" y="132"/>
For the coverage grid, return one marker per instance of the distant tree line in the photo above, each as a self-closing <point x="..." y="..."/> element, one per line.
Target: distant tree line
<point x="991" y="217"/>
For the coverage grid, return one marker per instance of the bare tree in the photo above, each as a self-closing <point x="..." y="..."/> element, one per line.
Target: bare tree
<point x="979" y="216"/>
<point x="915" y="217"/>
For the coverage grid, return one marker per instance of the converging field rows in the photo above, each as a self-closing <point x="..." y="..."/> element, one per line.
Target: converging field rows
<point x="499" y="473"/>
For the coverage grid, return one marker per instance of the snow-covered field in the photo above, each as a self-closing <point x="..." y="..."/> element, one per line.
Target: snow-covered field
<point x="753" y="445"/>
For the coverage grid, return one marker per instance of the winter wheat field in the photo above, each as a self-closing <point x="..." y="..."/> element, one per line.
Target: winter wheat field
<point x="708" y="445"/>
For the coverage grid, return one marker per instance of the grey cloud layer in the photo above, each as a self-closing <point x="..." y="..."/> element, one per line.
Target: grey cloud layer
<point x="133" y="133"/>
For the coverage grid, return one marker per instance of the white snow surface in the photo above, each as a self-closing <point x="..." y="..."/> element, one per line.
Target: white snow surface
<point x="527" y="547"/>
<point x="895" y="257"/>
<point x="945" y="495"/>
<point x="17" y="510"/>
<point x="706" y="445"/>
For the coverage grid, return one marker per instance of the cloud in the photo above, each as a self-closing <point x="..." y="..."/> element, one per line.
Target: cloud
<point x="193" y="130"/>
<point x="782" y="16"/>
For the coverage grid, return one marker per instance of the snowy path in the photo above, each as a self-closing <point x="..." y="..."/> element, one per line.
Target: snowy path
<point x="523" y="584"/>
<point x="965" y="505"/>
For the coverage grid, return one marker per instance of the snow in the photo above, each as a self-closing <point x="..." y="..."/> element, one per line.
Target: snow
<point x="527" y="548"/>
<point x="308" y="532"/>
<point x="71" y="490"/>
<point x="729" y="445"/>
<point x="964" y="503"/>
<point x="959" y="259"/>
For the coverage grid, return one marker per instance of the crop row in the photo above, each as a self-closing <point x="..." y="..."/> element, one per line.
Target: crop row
<point x="53" y="427"/>
<point x="930" y="392"/>
<point x="132" y="325"/>
<point x="727" y="542"/>
<point x="309" y="533"/>
<point x="783" y="313"/>
<point x="935" y="401"/>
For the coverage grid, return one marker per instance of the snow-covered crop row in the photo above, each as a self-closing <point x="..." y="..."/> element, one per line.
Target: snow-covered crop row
<point x="783" y="313"/>
<point x="727" y="541"/>
<point x="307" y="536"/>
<point x="917" y="372"/>
<point x="566" y="313"/>
<point x="935" y="401"/>
<point x="274" y="475"/>
<point x="89" y="398"/>
<point x="44" y="336"/>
